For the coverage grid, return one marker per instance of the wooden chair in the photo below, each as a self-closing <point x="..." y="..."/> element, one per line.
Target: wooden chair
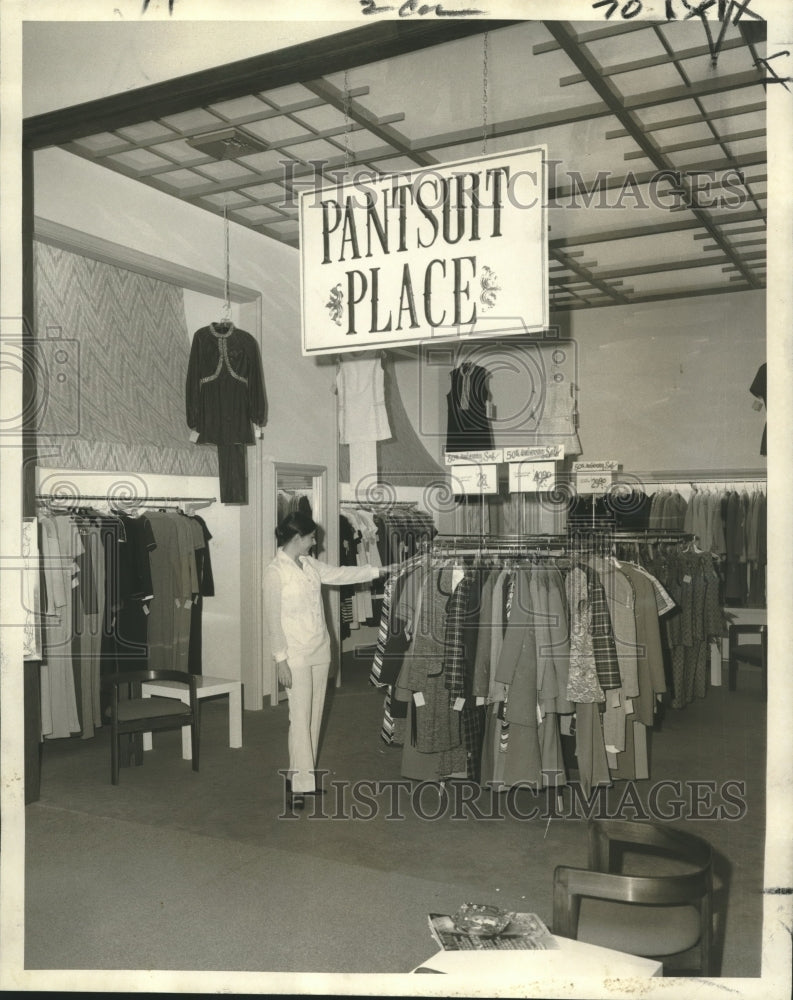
<point x="663" y="914"/>
<point x="755" y="653"/>
<point x="134" y="714"/>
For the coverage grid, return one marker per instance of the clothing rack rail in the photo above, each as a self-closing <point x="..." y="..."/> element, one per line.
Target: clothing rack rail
<point x="497" y="543"/>
<point x="628" y="535"/>
<point x="376" y="504"/>
<point x="119" y="501"/>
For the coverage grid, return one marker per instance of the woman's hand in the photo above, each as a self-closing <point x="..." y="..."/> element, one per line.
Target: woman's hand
<point x="385" y="570"/>
<point x="284" y="673"/>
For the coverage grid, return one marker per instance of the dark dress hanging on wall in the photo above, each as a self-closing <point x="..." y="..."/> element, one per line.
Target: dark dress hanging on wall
<point x="468" y="425"/>
<point x="758" y="389"/>
<point x="224" y="397"/>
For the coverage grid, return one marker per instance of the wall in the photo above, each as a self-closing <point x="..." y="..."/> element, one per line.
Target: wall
<point x="662" y="386"/>
<point x="301" y="424"/>
<point x="665" y="385"/>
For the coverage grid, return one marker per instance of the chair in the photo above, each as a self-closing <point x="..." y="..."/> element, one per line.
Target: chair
<point x="662" y="913"/>
<point x="135" y="714"/>
<point x="755" y="653"/>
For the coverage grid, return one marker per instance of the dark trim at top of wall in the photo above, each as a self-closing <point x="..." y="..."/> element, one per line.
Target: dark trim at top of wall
<point x="295" y="64"/>
<point x="86" y="245"/>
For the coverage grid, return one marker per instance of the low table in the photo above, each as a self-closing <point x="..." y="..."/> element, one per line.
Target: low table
<point x="572" y="959"/>
<point x="206" y="687"/>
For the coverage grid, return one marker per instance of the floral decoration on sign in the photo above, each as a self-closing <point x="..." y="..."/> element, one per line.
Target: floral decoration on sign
<point x="490" y="287"/>
<point x="335" y="304"/>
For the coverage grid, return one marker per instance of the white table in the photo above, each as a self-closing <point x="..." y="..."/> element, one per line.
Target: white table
<point x="206" y="687"/>
<point x="572" y="959"/>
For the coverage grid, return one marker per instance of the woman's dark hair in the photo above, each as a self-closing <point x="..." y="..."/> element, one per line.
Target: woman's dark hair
<point x="296" y="523"/>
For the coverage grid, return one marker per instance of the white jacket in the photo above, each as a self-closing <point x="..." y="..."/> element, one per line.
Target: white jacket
<point x="293" y="605"/>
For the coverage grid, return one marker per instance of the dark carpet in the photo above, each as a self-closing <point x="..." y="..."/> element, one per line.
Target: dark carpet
<point x="176" y="870"/>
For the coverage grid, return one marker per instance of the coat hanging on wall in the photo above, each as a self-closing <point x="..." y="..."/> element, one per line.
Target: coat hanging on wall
<point x="225" y="396"/>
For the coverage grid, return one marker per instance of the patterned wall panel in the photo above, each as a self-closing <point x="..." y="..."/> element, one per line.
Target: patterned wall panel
<point x="112" y="352"/>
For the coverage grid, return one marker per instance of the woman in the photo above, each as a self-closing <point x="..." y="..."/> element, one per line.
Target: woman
<point x="299" y="638"/>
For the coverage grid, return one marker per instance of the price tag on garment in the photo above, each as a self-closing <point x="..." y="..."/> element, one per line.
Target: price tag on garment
<point x="194" y="436"/>
<point x="418" y="697"/>
<point x="176" y="602"/>
<point x="531" y="477"/>
<point x="594" y="477"/>
<point x="475" y="480"/>
<point x="480" y="699"/>
<point x="686" y="578"/>
<point x="146" y="609"/>
<point x="458" y="704"/>
<point x="539" y="715"/>
<point x="629" y="706"/>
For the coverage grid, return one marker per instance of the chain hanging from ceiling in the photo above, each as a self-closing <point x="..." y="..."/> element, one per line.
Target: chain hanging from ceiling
<point x="485" y="95"/>
<point x="227" y="275"/>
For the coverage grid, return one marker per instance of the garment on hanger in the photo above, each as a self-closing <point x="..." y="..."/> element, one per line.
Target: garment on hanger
<point x="360" y="386"/>
<point x="119" y="593"/>
<point x="552" y="414"/>
<point x="758" y="388"/>
<point x="530" y="651"/>
<point x="468" y="426"/>
<point x="225" y="397"/>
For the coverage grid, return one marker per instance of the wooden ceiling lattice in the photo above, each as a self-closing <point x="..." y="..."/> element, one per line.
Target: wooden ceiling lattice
<point x="647" y="136"/>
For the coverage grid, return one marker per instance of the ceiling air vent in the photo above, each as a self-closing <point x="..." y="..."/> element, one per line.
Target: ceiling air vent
<point x="226" y="144"/>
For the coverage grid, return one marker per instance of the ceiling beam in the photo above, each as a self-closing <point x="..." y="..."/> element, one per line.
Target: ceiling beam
<point x="671" y="294"/>
<point x="614" y="181"/>
<point x="588" y="112"/>
<point x="737" y="244"/>
<point x="591" y="36"/>
<point x="738" y="232"/>
<point x="677" y="147"/>
<point x="633" y="232"/>
<point x="757" y="107"/>
<point x="650" y="61"/>
<point x="683" y="92"/>
<point x="658" y="267"/>
<point x="584" y="272"/>
<point x="565" y="36"/>
<point x="513" y="126"/>
<point x="336" y="98"/>
<point x="307" y="61"/>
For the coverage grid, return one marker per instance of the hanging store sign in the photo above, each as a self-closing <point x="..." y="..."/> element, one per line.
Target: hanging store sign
<point x="451" y="251"/>
<point x="594" y="477"/>
<point x="532" y="477"/>
<point x="476" y="480"/>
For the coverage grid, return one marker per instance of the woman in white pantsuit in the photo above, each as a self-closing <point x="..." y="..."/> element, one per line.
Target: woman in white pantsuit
<point x="299" y="638"/>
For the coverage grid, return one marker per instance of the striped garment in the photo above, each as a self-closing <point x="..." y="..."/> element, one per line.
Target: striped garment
<point x="603" y="645"/>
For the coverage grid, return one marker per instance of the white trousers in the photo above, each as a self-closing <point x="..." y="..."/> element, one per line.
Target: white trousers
<point x="306" y="703"/>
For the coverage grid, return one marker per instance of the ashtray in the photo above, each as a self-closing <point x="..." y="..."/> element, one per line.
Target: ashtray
<point x="481" y="919"/>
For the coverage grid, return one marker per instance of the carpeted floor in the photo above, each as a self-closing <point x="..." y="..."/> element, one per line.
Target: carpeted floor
<point x="208" y="871"/>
